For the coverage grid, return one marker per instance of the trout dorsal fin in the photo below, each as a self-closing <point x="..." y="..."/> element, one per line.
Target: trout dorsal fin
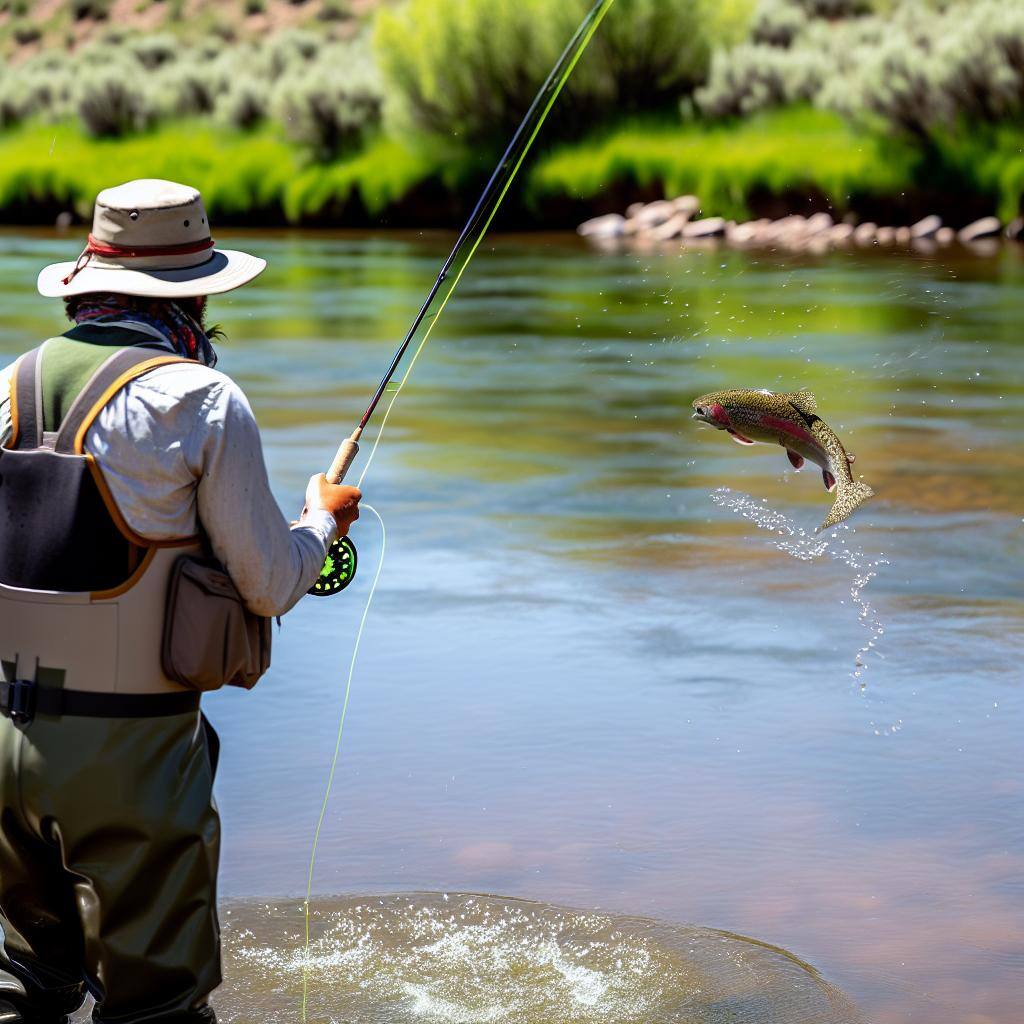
<point x="804" y="402"/>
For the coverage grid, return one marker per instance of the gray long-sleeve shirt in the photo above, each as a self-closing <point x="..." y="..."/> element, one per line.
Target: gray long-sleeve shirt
<point x="179" y="447"/>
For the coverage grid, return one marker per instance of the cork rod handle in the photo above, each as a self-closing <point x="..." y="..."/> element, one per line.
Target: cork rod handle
<point x="344" y="458"/>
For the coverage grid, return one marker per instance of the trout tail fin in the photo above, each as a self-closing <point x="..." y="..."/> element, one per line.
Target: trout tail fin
<point x="848" y="500"/>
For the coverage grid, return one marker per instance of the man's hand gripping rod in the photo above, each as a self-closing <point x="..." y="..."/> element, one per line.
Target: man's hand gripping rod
<point x="340" y="565"/>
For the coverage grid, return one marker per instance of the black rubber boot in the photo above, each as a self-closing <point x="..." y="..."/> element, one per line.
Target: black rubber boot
<point x="10" y="1013"/>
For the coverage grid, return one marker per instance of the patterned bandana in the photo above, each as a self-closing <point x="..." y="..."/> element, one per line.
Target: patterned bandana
<point x="174" y="324"/>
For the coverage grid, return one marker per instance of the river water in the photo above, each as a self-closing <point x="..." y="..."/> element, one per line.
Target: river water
<point x="609" y="666"/>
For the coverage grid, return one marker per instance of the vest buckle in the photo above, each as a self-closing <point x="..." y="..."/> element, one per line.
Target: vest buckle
<point x="18" y="700"/>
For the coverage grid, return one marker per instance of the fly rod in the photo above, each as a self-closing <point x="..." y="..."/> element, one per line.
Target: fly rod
<point x="340" y="566"/>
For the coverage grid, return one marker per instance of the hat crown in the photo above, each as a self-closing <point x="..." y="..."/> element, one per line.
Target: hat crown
<point x="150" y="212"/>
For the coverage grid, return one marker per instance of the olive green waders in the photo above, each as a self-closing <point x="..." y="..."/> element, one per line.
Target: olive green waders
<point x="109" y="836"/>
<point x="109" y="841"/>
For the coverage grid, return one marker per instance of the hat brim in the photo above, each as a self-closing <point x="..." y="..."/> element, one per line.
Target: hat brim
<point x="224" y="270"/>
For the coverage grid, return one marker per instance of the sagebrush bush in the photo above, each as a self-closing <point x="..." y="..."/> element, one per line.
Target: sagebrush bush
<point x="243" y="104"/>
<point x="925" y="68"/>
<point x="331" y="104"/>
<point x="470" y="68"/>
<point x="153" y="51"/>
<point x="753" y="77"/>
<point x="777" y="22"/>
<point x="112" y="103"/>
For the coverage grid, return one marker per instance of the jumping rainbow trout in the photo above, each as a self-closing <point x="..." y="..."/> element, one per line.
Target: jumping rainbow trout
<point x="752" y="417"/>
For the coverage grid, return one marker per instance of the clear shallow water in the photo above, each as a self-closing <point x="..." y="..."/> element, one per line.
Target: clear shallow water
<point x="589" y="680"/>
<point x="466" y="959"/>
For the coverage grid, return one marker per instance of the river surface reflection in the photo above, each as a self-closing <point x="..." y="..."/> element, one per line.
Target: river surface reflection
<point x="589" y="677"/>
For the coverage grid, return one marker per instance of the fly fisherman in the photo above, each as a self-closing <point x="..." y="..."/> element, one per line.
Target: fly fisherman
<point x="140" y="552"/>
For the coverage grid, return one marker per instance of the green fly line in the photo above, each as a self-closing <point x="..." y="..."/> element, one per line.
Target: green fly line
<point x="539" y="111"/>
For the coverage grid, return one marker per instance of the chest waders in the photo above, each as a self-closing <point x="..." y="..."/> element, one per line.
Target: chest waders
<point x="109" y="837"/>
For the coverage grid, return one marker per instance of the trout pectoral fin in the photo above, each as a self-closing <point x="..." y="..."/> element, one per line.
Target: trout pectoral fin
<point x="739" y="438"/>
<point x="796" y="461"/>
<point x="851" y="458"/>
<point x="830" y="480"/>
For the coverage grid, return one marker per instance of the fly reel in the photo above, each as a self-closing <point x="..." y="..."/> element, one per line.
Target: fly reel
<point x="339" y="569"/>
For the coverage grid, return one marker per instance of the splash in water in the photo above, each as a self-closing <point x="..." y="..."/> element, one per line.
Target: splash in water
<point x="431" y="958"/>
<point x="798" y="543"/>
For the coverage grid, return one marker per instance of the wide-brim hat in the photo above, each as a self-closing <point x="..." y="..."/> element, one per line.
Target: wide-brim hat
<point x="151" y="238"/>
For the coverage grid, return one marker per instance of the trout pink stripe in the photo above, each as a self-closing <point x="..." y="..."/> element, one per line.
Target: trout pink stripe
<point x="791" y="428"/>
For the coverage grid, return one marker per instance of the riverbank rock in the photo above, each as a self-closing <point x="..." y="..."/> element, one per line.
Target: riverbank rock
<point x="690" y="205"/>
<point x="709" y="227"/>
<point x="647" y="225"/>
<point x="748" y="233"/>
<point x="672" y="228"/>
<point x="864" y="234"/>
<point x="611" y="225"/>
<point x="984" y="228"/>
<point x="926" y="227"/>
<point x="819" y="223"/>
<point x="654" y="214"/>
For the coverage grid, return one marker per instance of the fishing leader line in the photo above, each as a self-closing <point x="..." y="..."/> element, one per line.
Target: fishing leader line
<point x="339" y="571"/>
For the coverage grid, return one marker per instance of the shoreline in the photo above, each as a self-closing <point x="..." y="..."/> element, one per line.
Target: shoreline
<point x="772" y="167"/>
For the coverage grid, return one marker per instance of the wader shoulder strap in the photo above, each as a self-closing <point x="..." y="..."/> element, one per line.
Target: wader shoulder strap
<point x="113" y="374"/>
<point x="26" y="403"/>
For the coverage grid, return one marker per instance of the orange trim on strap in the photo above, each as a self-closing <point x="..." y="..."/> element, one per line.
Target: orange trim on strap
<point x="119" y="520"/>
<point x="126" y="378"/>
<point x="13" y="386"/>
<point x="122" y="588"/>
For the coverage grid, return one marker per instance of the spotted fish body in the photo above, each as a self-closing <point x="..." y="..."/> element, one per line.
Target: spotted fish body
<point x="789" y="420"/>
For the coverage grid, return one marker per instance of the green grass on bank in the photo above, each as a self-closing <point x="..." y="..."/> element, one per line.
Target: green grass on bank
<point x="260" y="178"/>
<point x="255" y="175"/>
<point x="788" y="151"/>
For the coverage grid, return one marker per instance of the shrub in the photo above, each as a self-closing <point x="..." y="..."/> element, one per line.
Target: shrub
<point x="327" y="111"/>
<point x="111" y="102"/>
<point x="470" y="68"/>
<point x="777" y="22"/>
<point x="186" y="89"/>
<point x="751" y="78"/>
<point x="335" y="10"/>
<point x="153" y="51"/>
<point x="835" y="8"/>
<point x="98" y="10"/>
<point x="291" y="50"/>
<point x="924" y="68"/>
<point x="243" y="104"/>
<point x="26" y="32"/>
<point x="930" y="71"/>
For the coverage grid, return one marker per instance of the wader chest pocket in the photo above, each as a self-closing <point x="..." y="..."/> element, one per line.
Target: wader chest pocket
<point x="210" y="638"/>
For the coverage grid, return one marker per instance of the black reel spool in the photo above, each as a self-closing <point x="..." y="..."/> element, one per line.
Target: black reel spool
<point x="339" y="569"/>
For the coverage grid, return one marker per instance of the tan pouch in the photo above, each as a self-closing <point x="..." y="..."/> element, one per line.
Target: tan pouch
<point x="210" y="638"/>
